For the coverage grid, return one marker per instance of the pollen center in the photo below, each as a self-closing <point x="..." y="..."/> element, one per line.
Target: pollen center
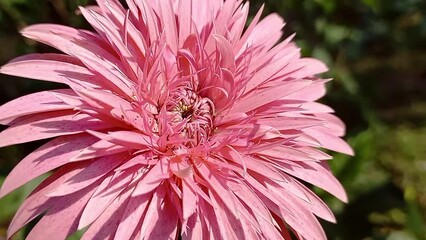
<point x="191" y="116"/>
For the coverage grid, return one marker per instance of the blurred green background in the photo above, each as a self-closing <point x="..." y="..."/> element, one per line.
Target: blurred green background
<point x="376" y="50"/>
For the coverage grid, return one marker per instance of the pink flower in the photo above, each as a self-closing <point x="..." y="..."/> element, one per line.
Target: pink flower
<point x="178" y="122"/>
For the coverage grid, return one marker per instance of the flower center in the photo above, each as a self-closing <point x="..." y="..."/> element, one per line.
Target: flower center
<point x="191" y="116"/>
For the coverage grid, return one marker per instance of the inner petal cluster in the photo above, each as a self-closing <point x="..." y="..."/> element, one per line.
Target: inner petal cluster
<point x="191" y="116"/>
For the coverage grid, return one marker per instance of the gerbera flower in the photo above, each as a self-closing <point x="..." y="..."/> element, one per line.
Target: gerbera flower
<point x="178" y="122"/>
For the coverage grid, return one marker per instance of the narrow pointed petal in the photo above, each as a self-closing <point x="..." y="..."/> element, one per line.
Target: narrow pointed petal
<point x="92" y="173"/>
<point x="59" y="69"/>
<point x="317" y="175"/>
<point x="153" y="178"/>
<point x="132" y="216"/>
<point x="84" y="46"/>
<point x="166" y="225"/>
<point x="38" y="202"/>
<point x="128" y="139"/>
<point x="32" y="104"/>
<point x="70" y="209"/>
<point x="98" y="149"/>
<point x="188" y="200"/>
<point x="48" y="125"/>
<point x="110" y="188"/>
<point x="194" y="230"/>
<point x="152" y="212"/>
<point x="289" y="123"/>
<point x="44" y="159"/>
<point x="269" y="95"/>
<point x="169" y="21"/>
<point x="330" y="141"/>
<point x="106" y="225"/>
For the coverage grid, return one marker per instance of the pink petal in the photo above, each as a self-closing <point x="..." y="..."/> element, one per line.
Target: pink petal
<point x="128" y="139"/>
<point x="242" y="43"/>
<point x="152" y="214"/>
<point x="185" y="21"/>
<point x="110" y="32"/>
<point x="46" y="158"/>
<point x="194" y="230"/>
<point x="286" y="153"/>
<point x="189" y="200"/>
<point x="38" y="202"/>
<point x="33" y="103"/>
<point x="318" y="175"/>
<point x="111" y="187"/>
<point x="86" y="47"/>
<point x="289" y="123"/>
<point x="166" y="225"/>
<point x="267" y="31"/>
<point x="153" y="178"/>
<point x="238" y="24"/>
<point x="90" y="174"/>
<point x="260" y="211"/>
<point x="203" y="14"/>
<point x="56" y="68"/>
<point x="262" y="97"/>
<point x="224" y="16"/>
<point x="69" y="209"/>
<point x="137" y="161"/>
<point x="66" y="39"/>
<point x="169" y="24"/>
<point x="289" y="185"/>
<point x="296" y="216"/>
<point x="98" y="149"/>
<point x="329" y="141"/>
<point x="317" y="206"/>
<point x="48" y="125"/>
<point x="226" y="53"/>
<point x="310" y="67"/>
<point x="333" y="123"/>
<point x="228" y="226"/>
<point x="132" y="216"/>
<point x="314" y="107"/>
<point x="106" y="225"/>
<point x="218" y="186"/>
<point x="309" y="201"/>
<point x="312" y="92"/>
<point x="103" y="99"/>
<point x="209" y="221"/>
<point x="265" y="69"/>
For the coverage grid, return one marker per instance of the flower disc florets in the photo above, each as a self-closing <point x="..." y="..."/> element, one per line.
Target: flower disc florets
<point x="192" y="115"/>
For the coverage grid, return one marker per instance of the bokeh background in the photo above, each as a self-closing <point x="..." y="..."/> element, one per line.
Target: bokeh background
<point x="376" y="51"/>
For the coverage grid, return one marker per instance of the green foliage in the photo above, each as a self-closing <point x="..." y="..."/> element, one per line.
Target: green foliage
<point x="10" y="204"/>
<point x="376" y="54"/>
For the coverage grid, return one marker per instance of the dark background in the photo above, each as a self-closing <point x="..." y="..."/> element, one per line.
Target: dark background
<point x="376" y="50"/>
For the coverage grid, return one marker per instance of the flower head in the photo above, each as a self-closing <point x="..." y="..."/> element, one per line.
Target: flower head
<point x="178" y="122"/>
